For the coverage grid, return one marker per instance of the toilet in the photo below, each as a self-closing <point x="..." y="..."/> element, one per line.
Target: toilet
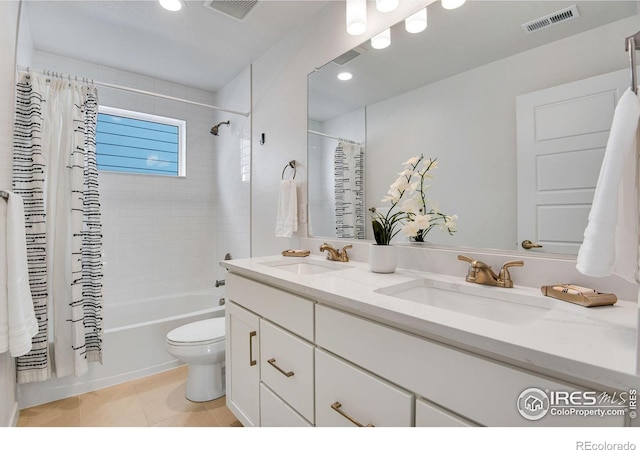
<point x="201" y="345"/>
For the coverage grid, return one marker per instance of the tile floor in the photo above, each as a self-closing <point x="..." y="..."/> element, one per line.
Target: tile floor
<point x="154" y="401"/>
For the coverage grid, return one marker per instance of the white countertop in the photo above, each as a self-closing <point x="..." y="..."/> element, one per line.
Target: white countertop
<point x="589" y="346"/>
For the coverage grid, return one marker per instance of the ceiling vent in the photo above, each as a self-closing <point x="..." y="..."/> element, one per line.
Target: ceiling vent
<point x="348" y="56"/>
<point x="236" y="9"/>
<point x="551" y="19"/>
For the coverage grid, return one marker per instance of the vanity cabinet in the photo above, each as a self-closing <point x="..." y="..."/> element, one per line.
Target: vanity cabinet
<point x="316" y="365"/>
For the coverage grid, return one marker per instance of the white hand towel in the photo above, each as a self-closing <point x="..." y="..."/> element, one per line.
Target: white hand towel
<point x="287" y="216"/>
<point x="610" y="239"/>
<point x="18" y="322"/>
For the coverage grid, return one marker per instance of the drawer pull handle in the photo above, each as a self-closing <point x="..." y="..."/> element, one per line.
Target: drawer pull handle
<point x="252" y="362"/>
<point x="272" y="361"/>
<point x="336" y="407"/>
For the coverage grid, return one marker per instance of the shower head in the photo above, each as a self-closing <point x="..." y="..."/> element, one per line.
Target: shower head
<point x="214" y="129"/>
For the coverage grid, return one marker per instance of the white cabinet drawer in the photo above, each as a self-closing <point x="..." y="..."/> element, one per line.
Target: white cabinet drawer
<point x="483" y="390"/>
<point x="286" y="366"/>
<point x="290" y="311"/>
<point x="430" y="415"/>
<point x="348" y="396"/>
<point x="274" y="412"/>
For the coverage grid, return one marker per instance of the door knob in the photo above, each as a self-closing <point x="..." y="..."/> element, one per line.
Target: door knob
<point x="527" y="245"/>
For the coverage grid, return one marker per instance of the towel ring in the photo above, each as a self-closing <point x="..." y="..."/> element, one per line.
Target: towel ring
<point x="291" y="164"/>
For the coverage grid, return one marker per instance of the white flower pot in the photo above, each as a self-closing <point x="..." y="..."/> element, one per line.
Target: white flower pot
<point x="383" y="258"/>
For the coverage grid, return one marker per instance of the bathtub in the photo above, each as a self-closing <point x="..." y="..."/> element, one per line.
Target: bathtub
<point x="132" y="344"/>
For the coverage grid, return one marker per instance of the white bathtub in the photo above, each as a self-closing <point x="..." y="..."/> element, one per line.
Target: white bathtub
<point x="146" y="313"/>
<point x="132" y="344"/>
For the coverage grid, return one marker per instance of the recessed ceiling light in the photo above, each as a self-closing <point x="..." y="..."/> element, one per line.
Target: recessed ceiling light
<point x="171" y="5"/>
<point x="345" y="76"/>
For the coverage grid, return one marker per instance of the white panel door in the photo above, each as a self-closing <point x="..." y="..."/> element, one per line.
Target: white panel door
<point x="562" y="134"/>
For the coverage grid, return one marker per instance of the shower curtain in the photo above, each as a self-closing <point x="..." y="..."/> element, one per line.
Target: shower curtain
<point x="349" y="190"/>
<point x="55" y="171"/>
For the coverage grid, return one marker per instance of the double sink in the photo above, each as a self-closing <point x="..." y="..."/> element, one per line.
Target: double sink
<point x="514" y="306"/>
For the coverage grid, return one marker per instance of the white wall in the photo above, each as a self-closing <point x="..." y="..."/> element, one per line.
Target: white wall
<point x="468" y="122"/>
<point x="280" y="108"/>
<point x="9" y="11"/>
<point x="232" y="154"/>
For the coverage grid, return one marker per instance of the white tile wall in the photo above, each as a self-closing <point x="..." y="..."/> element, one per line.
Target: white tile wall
<point x="160" y="232"/>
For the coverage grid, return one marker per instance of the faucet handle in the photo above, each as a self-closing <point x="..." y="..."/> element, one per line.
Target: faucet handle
<point x="504" y="279"/>
<point x="474" y="262"/>
<point x="344" y="257"/>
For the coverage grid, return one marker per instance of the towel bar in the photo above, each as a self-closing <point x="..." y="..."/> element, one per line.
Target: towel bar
<point x="291" y="164"/>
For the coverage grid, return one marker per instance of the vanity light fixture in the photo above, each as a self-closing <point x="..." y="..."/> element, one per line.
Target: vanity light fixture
<point x="171" y="5"/>
<point x="386" y="5"/>
<point x="452" y="4"/>
<point x="417" y="22"/>
<point x="356" y="17"/>
<point x="382" y="40"/>
<point x="345" y="76"/>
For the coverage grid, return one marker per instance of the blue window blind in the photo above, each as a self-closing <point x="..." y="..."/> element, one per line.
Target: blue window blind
<point x="128" y="144"/>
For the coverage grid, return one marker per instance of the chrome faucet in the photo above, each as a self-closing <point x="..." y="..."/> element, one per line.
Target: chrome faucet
<point x="334" y="254"/>
<point x="481" y="273"/>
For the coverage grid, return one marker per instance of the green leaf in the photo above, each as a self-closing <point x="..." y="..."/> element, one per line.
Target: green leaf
<point x="378" y="232"/>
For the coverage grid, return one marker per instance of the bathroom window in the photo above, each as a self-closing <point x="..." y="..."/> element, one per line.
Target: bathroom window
<point x="133" y="142"/>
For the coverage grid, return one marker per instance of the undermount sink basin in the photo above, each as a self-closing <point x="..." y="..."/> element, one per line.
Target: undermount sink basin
<point x="504" y="305"/>
<point x="306" y="266"/>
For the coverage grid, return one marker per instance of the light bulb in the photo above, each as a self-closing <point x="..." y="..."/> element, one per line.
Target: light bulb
<point x="382" y="40"/>
<point x="345" y="76"/>
<point x="417" y="22"/>
<point x="386" y="5"/>
<point x="356" y="17"/>
<point x="452" y="4"/>
<point x="171" y="5"/>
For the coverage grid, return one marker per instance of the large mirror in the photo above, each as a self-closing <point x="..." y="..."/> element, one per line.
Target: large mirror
<point x="516" y="116"/>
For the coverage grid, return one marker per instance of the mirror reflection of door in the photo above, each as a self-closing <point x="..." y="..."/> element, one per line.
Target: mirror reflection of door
<point x="562" y="134"/>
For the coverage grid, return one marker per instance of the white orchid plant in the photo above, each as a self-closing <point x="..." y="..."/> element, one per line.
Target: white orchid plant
<point x="411" y="211"/>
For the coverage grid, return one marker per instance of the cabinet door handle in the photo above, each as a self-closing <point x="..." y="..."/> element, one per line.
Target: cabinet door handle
<point x="252" y="362"/>
<point x="272" y="361"/>
<point x="336" y="407"/>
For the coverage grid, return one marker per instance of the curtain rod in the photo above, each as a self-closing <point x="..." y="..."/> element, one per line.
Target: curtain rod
<point x="128" y="89"/>
<point x="335" y="137"/>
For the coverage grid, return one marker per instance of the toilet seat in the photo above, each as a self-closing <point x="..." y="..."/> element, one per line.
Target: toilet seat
<point x="203" y="332"/>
